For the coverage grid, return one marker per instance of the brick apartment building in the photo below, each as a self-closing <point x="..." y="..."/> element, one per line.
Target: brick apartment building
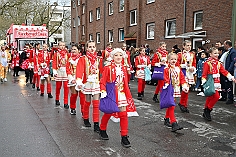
<point x="139" y="22"/>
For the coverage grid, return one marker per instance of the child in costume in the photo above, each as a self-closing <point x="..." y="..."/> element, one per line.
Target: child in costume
<point x="44" y="62"/>
<point x="159" y="59"/>
<point x="187" y="63"/>
<point x="214" y="67"/>
<point x="117" y="72"/>
<point x="173" y="75"/>
<point x="60" y="59"/>
<point x="141" y="62"/>
<point x="88" y="71"/>
<point x="71" y="70"/>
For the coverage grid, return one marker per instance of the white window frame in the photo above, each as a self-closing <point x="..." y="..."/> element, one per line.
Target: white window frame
<point x="83" y="30"/>
<point x="121" y="30"/>
<point x="98" y="37"/>
<point x="98" y="13"/>
<point x="148" y="30"/>
<point x="167" y="28"/>
<point x="110" y="36"/>
<point x="135" y="17"/>
<point x="195" y="20"/>
<point x="110" y="8"/>
<point x="78" y="2"/>
<point x="83" y="8"/>
<point x="91" y="16"/>
<point x="78" y="21"/>
<point x="122" y="5"/>
<point x="90" y="37"/>
<point x="150" y="1"/>
<point x="74" y="22"/>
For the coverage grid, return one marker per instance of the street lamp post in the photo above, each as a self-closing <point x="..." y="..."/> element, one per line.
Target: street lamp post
<point x="76" y="22"/>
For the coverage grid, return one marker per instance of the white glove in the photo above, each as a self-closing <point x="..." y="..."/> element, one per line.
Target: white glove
<point x="157" y="64"/>
<point x="149" y="66"/>
<point x="109" y="59"/>
<point x="103" y="94"/>
<point x="165" y="86"/>
<point x="230" y="77"/>
<point x="185" y="88"/>
<point x="183" y="66"/>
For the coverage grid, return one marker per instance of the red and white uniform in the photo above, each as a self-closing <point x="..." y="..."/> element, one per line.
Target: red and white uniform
<point x="15" y="59"/>
<point x="36" y="77"/>
<point x="141" y="62"/>
<point x="159" y="56"/>
<point x="106" y="55"/>
<point x="214" y="67"/>
<point x="187" y="60"/>
<point x="88" y="73"/>
<point x="71" y="68"/>
<point x="44" y="63"/>
<point x="118" y="73"/>
<point x="177" y="78"/>
<point x="126" y="62"/>
<point x="59" y="65"/>
<point x="60" y="59"/>
<point x="71" y="71"/>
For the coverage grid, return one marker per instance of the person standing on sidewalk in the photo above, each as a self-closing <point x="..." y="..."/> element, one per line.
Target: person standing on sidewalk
<point x="4" y="59"/>
<point x="159" y="59"/>
<point x="187" y="63"/>
<point x="88" y="72"/>
<point x="71" y="71"/>
<point x="44" y="62"/>
<point x="60" y="59"/>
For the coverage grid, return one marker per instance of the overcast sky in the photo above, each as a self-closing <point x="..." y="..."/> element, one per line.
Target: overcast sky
<point x="61" y="2"/>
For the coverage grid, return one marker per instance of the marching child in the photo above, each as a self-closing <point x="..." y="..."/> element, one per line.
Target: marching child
<point x="173" y="74"/>
<point x="214" y="67"/>
<point x="44" y="62"/>
<point x="15" y="65"/>
<point x="60" y="58"/>
<point x="71" y="70"/>
<point x="117" y="72"/>
<point x="141" y="62"/>
<point x="88" y="71"/>
<point x="159" y="59"/>
<point x="187" y="62"/>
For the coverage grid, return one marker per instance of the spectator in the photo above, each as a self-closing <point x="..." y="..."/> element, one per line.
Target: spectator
<point x="229" y="66"/>
<point x="200" y="49"/>
<point x="175" y="49"/>
<point x="147" y="49"/>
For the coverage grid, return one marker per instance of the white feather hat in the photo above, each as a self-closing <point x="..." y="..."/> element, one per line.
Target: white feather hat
<point x="117" y="50"/>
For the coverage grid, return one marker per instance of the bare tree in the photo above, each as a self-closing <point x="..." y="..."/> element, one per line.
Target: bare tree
<point x="36" y="12"/>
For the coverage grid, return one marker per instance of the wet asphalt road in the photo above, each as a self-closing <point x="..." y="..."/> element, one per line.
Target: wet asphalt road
<point x="31" y="126"/>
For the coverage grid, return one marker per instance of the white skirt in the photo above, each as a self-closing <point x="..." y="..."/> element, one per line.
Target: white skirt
<point x="91" y="88"/>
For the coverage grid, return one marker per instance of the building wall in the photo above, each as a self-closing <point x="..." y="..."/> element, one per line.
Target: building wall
<point x="217" y="20"/>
